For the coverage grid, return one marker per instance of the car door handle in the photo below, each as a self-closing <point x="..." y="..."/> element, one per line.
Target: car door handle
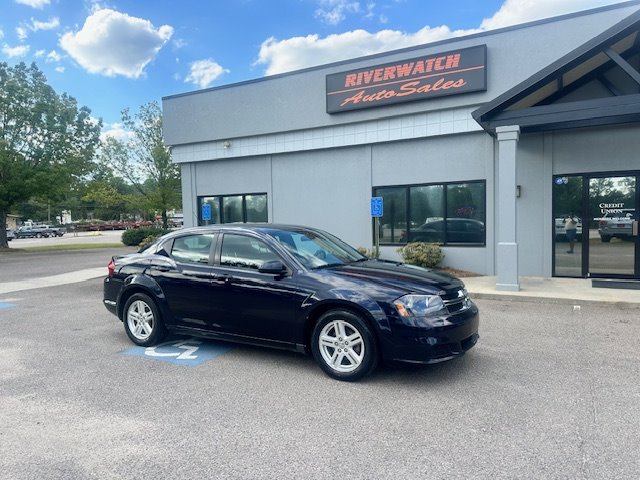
<point x="225" y="278"/>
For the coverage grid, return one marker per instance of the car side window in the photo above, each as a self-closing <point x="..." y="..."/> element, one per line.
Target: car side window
<point x="192" y="248"/>
<point x="240" y="251"/>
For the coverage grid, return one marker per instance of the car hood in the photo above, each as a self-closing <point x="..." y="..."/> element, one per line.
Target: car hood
<point x="396" y="279"/>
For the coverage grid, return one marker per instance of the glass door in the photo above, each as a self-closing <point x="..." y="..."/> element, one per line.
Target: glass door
<point x="568" y="195"/>
<point x="611" y="229"/>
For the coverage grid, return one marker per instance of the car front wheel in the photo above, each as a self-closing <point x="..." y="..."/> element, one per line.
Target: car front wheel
<point x="344" y="346"/>
<point x="142" y="320"/>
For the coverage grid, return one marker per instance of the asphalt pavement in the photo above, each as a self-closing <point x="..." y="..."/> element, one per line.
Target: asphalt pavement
<point x="550" y="391"/>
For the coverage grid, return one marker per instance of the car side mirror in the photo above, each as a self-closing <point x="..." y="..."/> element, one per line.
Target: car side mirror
<point x="163" y="253"/>
<point x="273" y="267"/>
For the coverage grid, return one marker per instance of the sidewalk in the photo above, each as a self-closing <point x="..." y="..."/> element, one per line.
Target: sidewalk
<point x="571" y="291"/>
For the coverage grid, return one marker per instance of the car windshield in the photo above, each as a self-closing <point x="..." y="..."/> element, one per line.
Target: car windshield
<point x="315" y="249"/>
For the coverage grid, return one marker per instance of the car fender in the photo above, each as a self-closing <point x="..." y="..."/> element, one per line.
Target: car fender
<point x="353" y="299"/>
<point x="142" y="283"/>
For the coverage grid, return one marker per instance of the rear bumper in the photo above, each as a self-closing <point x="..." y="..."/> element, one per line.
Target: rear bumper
<point x="111" y="289"/>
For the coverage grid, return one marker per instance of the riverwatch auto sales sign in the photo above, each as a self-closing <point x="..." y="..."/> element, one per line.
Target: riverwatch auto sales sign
<point x="421" y="78"/>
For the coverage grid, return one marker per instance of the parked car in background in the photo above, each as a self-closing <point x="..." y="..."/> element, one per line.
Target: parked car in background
<point x="616" y="224"/>
<point x="10" y="234"/>
<point x="459" y="230"/>
<point x="35" y="231"/>
<point x="293" y="288"/>
<point x="560" y="232"/>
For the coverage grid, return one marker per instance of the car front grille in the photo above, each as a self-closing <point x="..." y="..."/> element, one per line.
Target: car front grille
<point x="455" y="300"/>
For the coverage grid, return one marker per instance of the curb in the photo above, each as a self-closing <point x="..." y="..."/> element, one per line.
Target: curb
<point x="553" y="300"/>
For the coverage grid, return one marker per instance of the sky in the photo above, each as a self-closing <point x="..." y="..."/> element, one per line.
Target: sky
<point x="117" y="54"/>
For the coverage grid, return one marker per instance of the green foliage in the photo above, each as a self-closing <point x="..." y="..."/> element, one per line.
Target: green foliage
<point x="427" y="255"/>
<point x="145" y="161"/>
<point x="46" y="141"/>
<point x="368" y="253"/>
<point x="136" y="236"/>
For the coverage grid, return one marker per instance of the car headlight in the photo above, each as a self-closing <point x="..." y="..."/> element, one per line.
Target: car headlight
<point x="416" y="306"/>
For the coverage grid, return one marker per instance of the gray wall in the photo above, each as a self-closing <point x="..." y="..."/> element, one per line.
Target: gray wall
<point x="297" y="101"/>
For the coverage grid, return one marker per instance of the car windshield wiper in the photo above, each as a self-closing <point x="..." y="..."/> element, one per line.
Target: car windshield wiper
<point x="364" y="259"/>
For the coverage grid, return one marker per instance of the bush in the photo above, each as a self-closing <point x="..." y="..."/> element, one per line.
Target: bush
<point x="135" y="236"/>
<point x="368" y="253"/>
<point x="427" y="255"/>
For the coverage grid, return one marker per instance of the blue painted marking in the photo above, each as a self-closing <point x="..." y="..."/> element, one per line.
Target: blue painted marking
<point x="6" y="305"/>
<point x="182" y="351"/>
<point x="376" y="207"/>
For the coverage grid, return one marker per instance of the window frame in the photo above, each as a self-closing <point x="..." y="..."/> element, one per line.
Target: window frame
<point x="375" y="193"/>
<point x="219" y="202"/>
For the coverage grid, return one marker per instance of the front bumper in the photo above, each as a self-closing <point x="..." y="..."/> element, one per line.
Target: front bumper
<point x="437" y="343"/>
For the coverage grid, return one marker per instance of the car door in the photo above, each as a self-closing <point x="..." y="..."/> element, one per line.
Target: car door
<point x="249" y="303"/>
<point x="183" y="270"/>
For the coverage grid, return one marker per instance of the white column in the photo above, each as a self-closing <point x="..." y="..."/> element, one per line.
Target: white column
<point x="507" y="251"/>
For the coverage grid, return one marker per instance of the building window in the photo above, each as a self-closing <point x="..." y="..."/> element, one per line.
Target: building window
<point x="444" y="213"/>
<point x="235" y="208"/>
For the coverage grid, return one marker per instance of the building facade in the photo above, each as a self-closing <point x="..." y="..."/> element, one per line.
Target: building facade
<point x="515" y="149"/>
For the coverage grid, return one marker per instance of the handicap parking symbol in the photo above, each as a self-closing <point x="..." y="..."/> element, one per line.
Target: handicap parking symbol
<point x="189" y="351"/>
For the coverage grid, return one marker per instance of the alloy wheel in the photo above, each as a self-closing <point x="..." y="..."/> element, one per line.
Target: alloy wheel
<point x="140" y="320"/>
<point x="341" y="346"/>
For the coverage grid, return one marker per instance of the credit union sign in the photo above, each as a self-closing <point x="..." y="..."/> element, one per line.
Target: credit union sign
<point x="421" y="78"/>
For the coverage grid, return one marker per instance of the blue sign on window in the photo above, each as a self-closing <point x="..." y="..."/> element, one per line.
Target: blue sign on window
<point x="376" y="206"/>
<point x="206" y="212"/>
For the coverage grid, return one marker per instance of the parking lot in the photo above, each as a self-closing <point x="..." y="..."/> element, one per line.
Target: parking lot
<point x="550" y="391"/>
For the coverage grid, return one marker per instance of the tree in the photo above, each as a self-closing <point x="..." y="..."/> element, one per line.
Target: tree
<point x="145" y="161"/>
<point x="46" y="141"/>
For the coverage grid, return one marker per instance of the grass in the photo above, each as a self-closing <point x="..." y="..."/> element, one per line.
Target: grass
<point x="50" y="248"/>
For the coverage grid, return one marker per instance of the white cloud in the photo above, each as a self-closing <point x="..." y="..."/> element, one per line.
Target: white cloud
<point x="40" y="53"/>
<point x="204" y="72"/>
<point x="114" y="43"/>
<point x="1" y="34"/>
<point x="59" y="69"/>
<point x="53" y="56"/>
<point x="50" y="25"/>
<point x="513" y="12"/>
<point x="179" y="43"/>
<point x="21" y="33"/>
<point x="334" y="11"/>
<point x="34" y="3"/>
<point x="117" y="131"/>
<point x="301" y="52"/>
<point x="15" y="52"/>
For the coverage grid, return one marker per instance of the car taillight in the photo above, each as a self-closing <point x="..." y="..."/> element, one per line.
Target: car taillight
<point x="111" y="267"/>
<point x="602" y="222"/>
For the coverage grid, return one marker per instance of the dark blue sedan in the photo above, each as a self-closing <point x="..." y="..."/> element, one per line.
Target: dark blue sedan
<point x="293" y="288"/>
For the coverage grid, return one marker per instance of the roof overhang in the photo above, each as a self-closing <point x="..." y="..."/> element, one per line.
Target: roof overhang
<point x="530" y="103"/>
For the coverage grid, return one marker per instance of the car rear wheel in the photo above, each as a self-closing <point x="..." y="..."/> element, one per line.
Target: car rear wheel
<point x="142" y="320"/>
<point x="344" y="346"/>
<point x="605" y="238"/>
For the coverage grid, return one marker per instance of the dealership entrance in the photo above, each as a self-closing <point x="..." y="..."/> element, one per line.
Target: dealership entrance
<point x="605" y="209"/>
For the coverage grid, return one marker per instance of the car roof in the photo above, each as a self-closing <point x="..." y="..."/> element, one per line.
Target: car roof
<point x="242" y="227"/>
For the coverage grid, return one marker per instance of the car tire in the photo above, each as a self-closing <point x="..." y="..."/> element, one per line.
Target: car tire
<point x="38" y="235"/>
<point x="142" y="320"/>
<point x="605" y="238"/>
<point x="343" y="345"/>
